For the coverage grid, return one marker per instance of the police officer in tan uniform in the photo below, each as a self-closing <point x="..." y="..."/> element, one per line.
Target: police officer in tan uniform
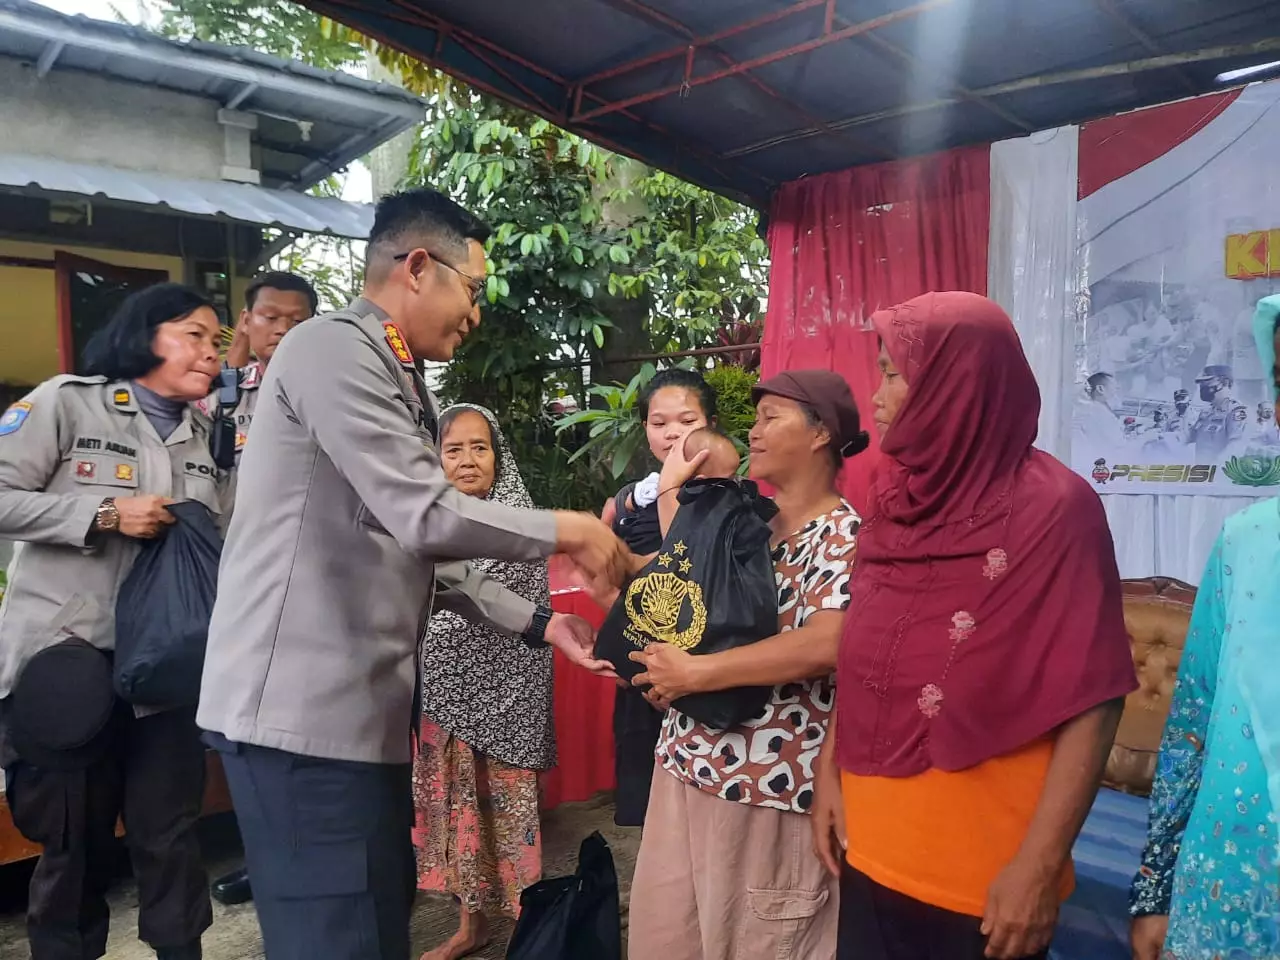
<point x="1223" y="421"/>
<point x="87" y="465"/>
<point x="328" y="579"/>
<point x="275" y="302"/>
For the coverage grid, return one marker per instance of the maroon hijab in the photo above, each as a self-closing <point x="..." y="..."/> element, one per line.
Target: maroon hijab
<point x="985" y="605"/>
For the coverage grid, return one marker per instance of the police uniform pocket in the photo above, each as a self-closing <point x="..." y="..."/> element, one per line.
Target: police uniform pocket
<point x="105" y="470"/>
<point x="366" y="519"/>
<point x="72" y="617"/>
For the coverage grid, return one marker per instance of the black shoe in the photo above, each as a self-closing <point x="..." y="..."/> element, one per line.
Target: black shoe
<point x="233" y="888"/>
<point x="189" y="952"/>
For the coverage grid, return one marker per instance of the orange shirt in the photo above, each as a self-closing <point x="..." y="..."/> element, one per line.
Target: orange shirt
<point x="941" y="838"/>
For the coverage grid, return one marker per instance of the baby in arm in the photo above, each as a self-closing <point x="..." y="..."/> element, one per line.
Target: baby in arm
<point x="722" y="456"/>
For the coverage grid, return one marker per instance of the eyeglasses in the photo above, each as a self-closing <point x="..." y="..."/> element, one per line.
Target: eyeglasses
<point x="475" y="286"/>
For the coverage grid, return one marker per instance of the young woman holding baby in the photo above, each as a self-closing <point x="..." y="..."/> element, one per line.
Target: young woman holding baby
<point x="673" y="404"/>
<point x="726" y="869"/>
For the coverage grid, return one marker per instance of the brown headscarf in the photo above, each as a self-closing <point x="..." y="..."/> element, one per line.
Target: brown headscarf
<point x="985" y="606"/>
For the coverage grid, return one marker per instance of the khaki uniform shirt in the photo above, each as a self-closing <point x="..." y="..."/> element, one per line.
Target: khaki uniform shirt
<point x="329" y="569"/>
<point x="70" y="444"/>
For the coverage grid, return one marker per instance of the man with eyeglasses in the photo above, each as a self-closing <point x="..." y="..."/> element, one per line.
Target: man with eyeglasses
<point x="338" y="547"/>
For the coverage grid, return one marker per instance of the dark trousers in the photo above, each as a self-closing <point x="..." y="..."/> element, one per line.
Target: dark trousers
<point x="329" y="848"/>
<point x="636" y="726"/>
<point x="152" y="777"/>
<point x="877" y="923"/>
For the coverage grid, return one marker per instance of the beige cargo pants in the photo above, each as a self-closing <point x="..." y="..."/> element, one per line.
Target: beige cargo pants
<point x="717" y="880"/>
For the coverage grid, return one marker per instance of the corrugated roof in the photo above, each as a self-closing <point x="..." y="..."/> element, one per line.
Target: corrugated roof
<point x="345" y="116"/>
<point x="741" y="95"/>
<point x="202" y="198"/>
<point x="25" y="8"/>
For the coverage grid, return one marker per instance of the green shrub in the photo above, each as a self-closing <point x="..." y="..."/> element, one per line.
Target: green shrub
<point x="736" y="409"/>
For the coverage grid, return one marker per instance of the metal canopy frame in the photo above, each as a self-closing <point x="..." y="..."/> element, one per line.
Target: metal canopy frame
<point x="627" y="105"/>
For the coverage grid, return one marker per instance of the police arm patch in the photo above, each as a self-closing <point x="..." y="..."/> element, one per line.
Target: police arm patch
<point x="11" y="420"/>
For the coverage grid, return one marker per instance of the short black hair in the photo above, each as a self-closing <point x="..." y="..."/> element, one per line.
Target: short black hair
<point x="453" y="413"/>
<point x="1098" y="380"/>
<point x="422" y="218"/>
<point x="283" y="281"/>
<point x="122" y="349"/>
<point x="689" y="380"/>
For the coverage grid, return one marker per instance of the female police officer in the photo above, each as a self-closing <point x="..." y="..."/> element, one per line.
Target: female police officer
<point x="87" y="465"/>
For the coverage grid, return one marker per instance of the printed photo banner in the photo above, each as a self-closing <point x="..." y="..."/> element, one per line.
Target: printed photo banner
<point x="1179" y="237"/>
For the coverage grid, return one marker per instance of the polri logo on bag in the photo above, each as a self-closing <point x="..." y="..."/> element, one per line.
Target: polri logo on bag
<point x="665" y="605"/>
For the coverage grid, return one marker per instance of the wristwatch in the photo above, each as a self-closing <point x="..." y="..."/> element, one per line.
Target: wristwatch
<point x="107" y="517"/>
<point x="536" y="633"/>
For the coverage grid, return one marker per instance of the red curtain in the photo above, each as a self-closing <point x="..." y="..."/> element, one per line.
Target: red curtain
<point x="583" y="710"/>
<point x="846" y="244"/>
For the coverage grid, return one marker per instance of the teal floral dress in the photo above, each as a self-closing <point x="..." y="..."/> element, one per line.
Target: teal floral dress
<point x="1211" y="861"/>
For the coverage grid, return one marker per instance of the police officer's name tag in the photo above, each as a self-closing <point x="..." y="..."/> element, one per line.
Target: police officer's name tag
<point x="107" y="446"/>
<point x="13" y="418"/>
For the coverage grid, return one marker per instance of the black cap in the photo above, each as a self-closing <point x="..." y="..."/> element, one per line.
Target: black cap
<point x="1214" y="371"/>
<point x="60" y="709"/>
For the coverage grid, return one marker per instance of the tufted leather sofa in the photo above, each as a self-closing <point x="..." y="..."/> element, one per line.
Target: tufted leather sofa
<point x="1157" y="611"/>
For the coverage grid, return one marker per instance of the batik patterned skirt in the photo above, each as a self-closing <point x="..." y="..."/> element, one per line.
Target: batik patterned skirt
<point x="476" y="831"/>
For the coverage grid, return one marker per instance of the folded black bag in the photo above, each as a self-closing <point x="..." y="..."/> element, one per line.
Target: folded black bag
<point x="163" y="611"/>
<point x="572" y="918"/>
<point x="710" y="588"/>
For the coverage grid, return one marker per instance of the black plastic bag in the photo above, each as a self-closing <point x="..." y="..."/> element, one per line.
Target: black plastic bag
<point x="710" y="588"/>
<point x="572" y="918"/>
<point x="163" y="611"/>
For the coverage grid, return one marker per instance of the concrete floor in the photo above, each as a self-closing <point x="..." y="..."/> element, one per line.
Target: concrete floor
<point x="235" y="935"/>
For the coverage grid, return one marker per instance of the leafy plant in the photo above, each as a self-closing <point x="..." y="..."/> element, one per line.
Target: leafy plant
<point x="616" y="433"/>
<point x="595" y="259"/>
<point x="284" y="30"/>
<point x="736" y="411"/>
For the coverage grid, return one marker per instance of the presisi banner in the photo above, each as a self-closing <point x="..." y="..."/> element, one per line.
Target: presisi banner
<point x="1169" y="394"/>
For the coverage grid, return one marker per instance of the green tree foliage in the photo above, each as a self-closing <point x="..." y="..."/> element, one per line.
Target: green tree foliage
<point x="281" y="29"/>
<point x="581" y="238"/>
<point x="595" y="259"/>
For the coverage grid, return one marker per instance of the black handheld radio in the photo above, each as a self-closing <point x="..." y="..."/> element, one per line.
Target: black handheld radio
<point x="222" y="442"/>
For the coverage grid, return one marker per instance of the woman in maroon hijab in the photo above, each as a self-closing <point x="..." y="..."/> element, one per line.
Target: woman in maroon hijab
<point x="983" y="660"/>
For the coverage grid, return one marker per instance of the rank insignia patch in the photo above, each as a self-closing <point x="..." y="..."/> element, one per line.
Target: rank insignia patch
<point x="396" y="341"/>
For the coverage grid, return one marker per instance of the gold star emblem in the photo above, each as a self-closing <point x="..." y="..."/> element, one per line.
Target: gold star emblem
<point x="664" y="560"/>
<point x="678" y="549"/>
<point x="686" y="565"/>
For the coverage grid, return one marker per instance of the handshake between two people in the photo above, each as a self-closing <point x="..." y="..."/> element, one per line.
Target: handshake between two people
<point x="602" y="563"/>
